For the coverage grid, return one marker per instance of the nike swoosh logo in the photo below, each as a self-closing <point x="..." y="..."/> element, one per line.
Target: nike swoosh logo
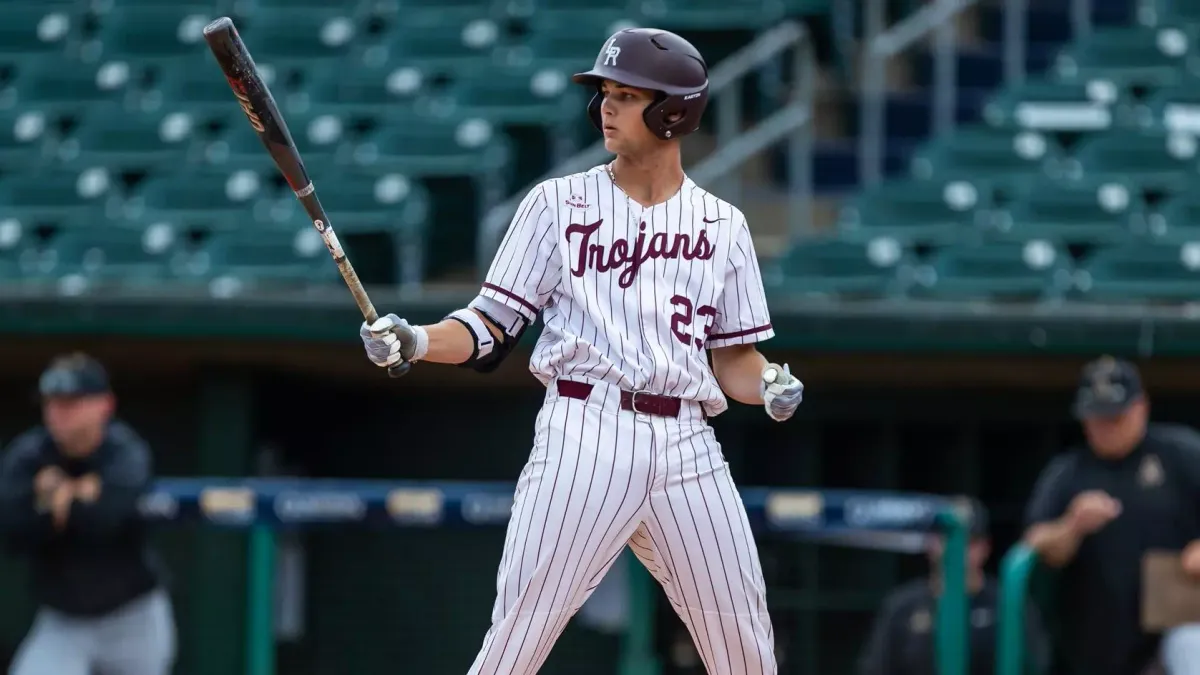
<point x="713" y="220"/>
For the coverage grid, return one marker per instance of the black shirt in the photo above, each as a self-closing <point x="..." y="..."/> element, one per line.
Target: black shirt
<point x="1099" y="592"/>
<point x="100" y="560"/>
<point x="901" y="641"/>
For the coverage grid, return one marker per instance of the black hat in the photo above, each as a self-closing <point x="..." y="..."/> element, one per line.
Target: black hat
<point x="73" y="375"/>
<point x="1107" y="387"/>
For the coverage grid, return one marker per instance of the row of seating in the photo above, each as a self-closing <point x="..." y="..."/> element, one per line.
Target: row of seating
<point x="1014" y="271"/>
<point x="95" y="199"/>
<point x="933" y="211"/>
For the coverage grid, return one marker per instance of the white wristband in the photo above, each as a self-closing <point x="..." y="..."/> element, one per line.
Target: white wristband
<point x="421" y="348"/>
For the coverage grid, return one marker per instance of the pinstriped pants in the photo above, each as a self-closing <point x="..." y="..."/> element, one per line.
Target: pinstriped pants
<point x="600" y="478"/>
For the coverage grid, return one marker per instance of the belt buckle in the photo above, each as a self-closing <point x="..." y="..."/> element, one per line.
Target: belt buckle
<point x="633" y="402"/>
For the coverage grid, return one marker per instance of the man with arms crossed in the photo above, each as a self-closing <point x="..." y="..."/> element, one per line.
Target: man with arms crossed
<point x="641" y="276"/>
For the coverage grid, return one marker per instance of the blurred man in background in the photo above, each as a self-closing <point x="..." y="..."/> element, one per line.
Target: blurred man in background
<point x="1096" y="511"/>
<point x="902" y="642"/>
<point x="68" y="502"/>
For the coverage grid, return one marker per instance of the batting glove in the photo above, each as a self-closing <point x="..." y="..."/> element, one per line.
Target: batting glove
<point x="391" y="340"/>
<point x="781" y="392"/>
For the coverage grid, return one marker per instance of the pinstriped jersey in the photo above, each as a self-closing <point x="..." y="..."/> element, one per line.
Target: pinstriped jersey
<point x="631" y="295"/>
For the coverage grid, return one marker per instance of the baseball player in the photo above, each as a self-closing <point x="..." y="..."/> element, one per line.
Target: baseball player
<point x="641" y="278"/>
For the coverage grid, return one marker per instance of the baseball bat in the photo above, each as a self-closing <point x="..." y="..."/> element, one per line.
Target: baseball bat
<point x="268" y="124"/>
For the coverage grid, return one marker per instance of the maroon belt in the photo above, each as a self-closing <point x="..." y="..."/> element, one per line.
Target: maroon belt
<point x="634" y="401"/>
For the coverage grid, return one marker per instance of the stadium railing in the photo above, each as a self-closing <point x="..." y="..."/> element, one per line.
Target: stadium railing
<point x="263" y="506"/>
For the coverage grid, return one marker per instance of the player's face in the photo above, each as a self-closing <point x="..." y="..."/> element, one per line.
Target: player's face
<point x="625" y="131"/>
<point x="1117" y="435"/>
<point x="73" y="421"/>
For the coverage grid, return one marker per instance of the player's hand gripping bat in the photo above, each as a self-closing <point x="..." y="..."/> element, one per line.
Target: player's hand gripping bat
<point x="258" y="104"/>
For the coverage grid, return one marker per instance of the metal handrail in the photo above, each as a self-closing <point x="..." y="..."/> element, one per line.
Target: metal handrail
<point x="883" y="44"/>
<point x="766" y="47"/>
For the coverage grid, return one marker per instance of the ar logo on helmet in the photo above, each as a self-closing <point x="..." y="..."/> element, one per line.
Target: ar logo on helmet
<point x="611" y="52"/>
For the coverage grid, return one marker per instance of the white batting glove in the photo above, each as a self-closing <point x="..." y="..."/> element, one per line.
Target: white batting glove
<point x="391" y="340"/>
<point x="781" y="392"/>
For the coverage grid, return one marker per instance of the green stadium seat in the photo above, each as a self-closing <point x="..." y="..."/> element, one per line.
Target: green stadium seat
<point x="996" y="271"/>
<point x="1050" y="105"/>
<point x="434" y="41"/>
<point x="119" y="140"/>
<point x="529" y="7"/>
<point x="30" y="28"/>
<point x="435" y="147"/>
<point x="711" y="14"/>
<point x="224" y="201"/>
<point x="567" y="39"/>
<point x="393" y="7"/>
<point x="534" y="96"/>
<point x="150" y="34"/>
<point x="287" y="38"/>
<point x="1182" y="11"/>
<point x="248" y="8"/>
<point x="57" y="193"/>
<point x="1177" y="220"/>
<point x="318" y="136"/>
<point x="373" y="202"/>
<point x="1176" y="109"/>
<point x="1128" y="56"/>
<point x="912" y="211"/>
<point x="366" y="91"/>
<point x="844" y="270"/>
<point x="1150" y="159"/>
<point x="24" y="139"/>
<point x="975" y="152"/>
<point x="1072" y="213"/>
<point x="236" y="262"/>
<point x="60" y="85"/>
<point x="194" y="85"/>
<point x="15" y="237"/>
<point x="1148" y="273"/>
<point x="102" y="255"/>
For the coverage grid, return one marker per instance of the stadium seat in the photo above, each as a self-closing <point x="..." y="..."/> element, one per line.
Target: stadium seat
<point x="237" y="145"/>
<point x="1128" y="56"/>
<point x="1182" y="11"/>
<point x="149" y="34"/>
<point x="103" y="255"/>
<point x="118" y="139"/>
<point x="32" y="28"/>
<point x="238" y="261"/>
<point x="841" y="269"/>
<point x="1141" y="274"/>
<point x="373" y="202"/>
<point x="1176" y="221"/>
<point x="530" y="7"/>
<point x="533" y="96"/>
<point x="61" y="85"/>
<point x="1050" y="105"/>
<point x="1176" y="109"/>
<point x="207" y="201"/>
<point x="569" y="39"/>
<point x="57" y="193"/>
<point x="194" y="85"/>
<point x="997" y="271"/>
<point x="1150" y="159"/>
<point x="1072" y="213"/>
<point x="285" y="38"/>
<point x="435" y="147"/>
<point x="433" y="41"/>
<point x="24" y="138"/>
<point x="711" y="14"/>
<point x="247" y="8"/>
<point x="366" y="91"/>
<point x="912" y="211"/>
<point x="975" y="152"/>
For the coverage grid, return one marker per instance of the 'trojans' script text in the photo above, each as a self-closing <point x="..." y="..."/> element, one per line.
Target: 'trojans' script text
<point x="618" y="254"/>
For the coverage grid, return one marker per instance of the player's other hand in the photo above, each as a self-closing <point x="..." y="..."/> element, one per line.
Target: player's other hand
<point x="390" y="340"/>
<point x="781" y="392"/>
<point x="1089" y="511"/>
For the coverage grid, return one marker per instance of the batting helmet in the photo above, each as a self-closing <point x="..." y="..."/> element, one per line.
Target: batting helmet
<point x="658" y="60"/>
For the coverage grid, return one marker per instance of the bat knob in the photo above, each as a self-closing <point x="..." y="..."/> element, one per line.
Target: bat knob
<point x="399" y="370"/>
<point x="769" y="375"/>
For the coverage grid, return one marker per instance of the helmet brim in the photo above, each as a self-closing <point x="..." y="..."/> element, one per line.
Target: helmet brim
<point x="595" y="76"/>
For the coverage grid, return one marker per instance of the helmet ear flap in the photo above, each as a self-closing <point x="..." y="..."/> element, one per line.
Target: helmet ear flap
<point x="593" y="111"/>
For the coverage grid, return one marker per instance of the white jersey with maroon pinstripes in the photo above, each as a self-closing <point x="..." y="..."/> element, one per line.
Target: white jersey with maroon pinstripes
<point x="631" y="295"/>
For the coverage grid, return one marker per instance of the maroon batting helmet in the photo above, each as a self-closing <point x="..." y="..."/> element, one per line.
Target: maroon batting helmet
<point x="658" y="60"/>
